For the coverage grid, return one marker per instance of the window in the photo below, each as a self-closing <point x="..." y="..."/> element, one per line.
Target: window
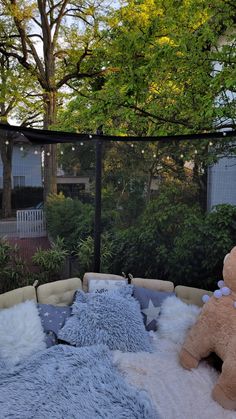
<point x="18" y="181"/>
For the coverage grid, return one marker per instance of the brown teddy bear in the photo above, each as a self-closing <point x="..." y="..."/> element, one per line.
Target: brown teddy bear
<point x="215" y="331"/>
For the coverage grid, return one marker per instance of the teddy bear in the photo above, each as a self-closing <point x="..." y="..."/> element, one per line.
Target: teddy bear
<point x="215" y="331"/>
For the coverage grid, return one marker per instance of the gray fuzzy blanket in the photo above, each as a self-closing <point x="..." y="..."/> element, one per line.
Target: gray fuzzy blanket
<point x="75" y="383"/>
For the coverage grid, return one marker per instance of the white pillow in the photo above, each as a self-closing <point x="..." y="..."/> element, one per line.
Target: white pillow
<point x="176" y="318"/>
<point x="21" y="332"/>
<point x="99" y="285"/>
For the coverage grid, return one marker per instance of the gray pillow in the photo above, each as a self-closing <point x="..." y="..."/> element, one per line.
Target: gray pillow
<point x="112" y="318"/>
<point x="150" y="302"/>
<point x="53" y="319"/>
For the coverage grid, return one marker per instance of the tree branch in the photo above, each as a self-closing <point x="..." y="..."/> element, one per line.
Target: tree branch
<point x="157" y="117"/>
<point x="58" y="20"/>
<point x="78" y="76"/>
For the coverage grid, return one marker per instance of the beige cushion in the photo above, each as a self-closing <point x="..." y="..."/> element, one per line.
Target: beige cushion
<point x="97" y="276"/>
<point x="191" y="295"/>
<point x="153" y="284"/>
<point x="58" y="293"/>
<point x="19" y="295"/>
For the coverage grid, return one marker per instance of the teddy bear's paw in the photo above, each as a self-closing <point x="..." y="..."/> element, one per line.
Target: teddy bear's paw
<point x="187" y="360"/>
<point x="220" y="397"/>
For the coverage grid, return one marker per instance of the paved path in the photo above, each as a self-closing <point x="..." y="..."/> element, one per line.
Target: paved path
<point x="8" y="228"/>
<point x="28" y="247"/>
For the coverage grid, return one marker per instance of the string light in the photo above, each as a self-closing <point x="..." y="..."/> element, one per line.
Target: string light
<point x="182" y="156"/>
<point x="210" y="143"/>
<point x="224" y="134"/>
<point x="90" y="136"/>
<point x="73" y="148"/>
<point x="81" y="143"/>
<point x="132" y="145"/>
<point x="195" y="151"/>
<point x="48" y="153"/>
<point x="36" y="152"/>
<point x="21" y="148"/>
<point x="154" y="155"/>
<point x="62" y="152"/>
<point x="142" y="151"/>
<point x="6" y="142"/>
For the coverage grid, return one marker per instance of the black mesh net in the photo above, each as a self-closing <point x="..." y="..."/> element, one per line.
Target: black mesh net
<point x="168" y="209"/>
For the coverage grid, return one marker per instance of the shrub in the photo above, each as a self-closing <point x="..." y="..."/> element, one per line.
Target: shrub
<point x="145" y="249"/>
<point x="14" y="272"/>
<point x="69" y="219"/>
<point x="85" y="253"/>
<point x="50" y="262"/>
<point x="200" y="248"/>
<point x="175" y="241"/>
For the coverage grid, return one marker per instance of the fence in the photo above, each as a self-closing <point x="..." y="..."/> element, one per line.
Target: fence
<point x="31" y="223"/>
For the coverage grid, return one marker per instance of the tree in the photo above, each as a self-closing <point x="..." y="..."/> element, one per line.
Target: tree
<point x="14" y="94"/>
<point x="162" y="82"/>
<point x="53" y="41"/>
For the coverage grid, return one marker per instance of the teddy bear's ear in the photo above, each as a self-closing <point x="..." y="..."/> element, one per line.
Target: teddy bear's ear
<point x="226" y="257"/>
<point x="233" y="251"/>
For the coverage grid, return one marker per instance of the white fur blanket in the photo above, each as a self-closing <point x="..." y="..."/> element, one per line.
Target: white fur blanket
<point x="176" y="392"/>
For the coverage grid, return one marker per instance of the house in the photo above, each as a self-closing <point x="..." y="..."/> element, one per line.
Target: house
<point x="221" y="181"/>
<point x="26" y="167"/>
<point x="72" y="185"/>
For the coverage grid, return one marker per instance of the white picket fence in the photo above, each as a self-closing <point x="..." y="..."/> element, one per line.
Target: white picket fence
<point x="31" y="223"/>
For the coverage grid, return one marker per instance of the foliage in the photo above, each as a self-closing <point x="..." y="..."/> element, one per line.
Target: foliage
<point x="69" y="219"/>
<point x="50" y="262"/>
<point x="199" y="250"/>
<point x="85" y="252"/>
<point x="144" y="248"/>
<point x="176" y="241"/>
<point x="13" y="272"/>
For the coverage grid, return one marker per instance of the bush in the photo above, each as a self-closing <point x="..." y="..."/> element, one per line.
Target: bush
<point x="85" y="253"/>
<point x="145" y="249"/>
<point x="50" y="262"/>
<point x="14" y="272"/>
<point x="69" y="219"/>
<point x="199" y="250"/>
<point x="25" y="197"/>
<point x="175" y="241"/>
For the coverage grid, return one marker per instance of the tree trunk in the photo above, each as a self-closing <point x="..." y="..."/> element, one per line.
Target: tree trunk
<point x="6" y="155"/>
<point x="50" y="157"/>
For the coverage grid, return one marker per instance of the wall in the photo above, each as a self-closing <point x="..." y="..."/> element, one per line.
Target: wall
<point x="27" y="164"/>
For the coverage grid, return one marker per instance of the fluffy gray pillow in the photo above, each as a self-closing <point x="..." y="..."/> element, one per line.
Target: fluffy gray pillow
<point x="112" y="318"/>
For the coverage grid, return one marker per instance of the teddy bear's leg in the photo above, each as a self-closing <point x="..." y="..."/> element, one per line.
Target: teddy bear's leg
<point x="224" y="391"/>
<point x="196" y="346"/>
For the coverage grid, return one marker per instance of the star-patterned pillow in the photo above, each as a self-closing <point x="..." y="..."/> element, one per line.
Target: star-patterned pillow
<point x="150" y="303"/>
<point x="53" y="319"/>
